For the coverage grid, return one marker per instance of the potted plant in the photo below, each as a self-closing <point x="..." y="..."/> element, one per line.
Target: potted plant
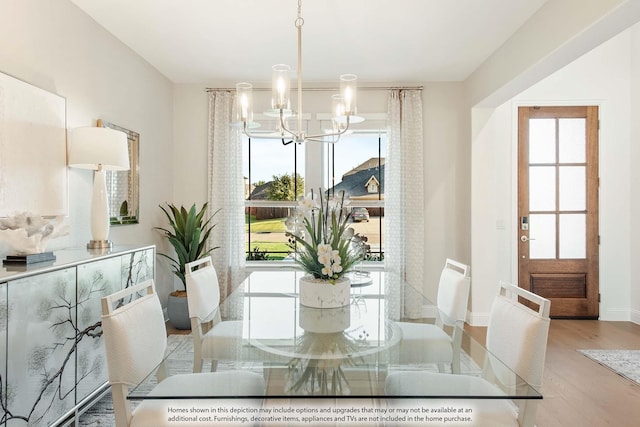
<point x="321" y="237"/>
<point x="188" y="232"/>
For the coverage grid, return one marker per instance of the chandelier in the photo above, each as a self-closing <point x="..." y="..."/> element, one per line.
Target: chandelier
<point x="343" y="104"/>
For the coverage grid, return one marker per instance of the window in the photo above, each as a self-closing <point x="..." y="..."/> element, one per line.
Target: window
<point x="354" y="164"/>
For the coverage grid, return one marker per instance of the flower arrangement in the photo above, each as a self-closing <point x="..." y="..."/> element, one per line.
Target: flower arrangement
<point x="328" y="253"/>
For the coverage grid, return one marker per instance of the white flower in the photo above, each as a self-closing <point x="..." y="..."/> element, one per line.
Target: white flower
<point x="325" y="249"/>
<point x="306" y="203"/>
<point x="290" y="223"/>
<point x="324" y="259"/>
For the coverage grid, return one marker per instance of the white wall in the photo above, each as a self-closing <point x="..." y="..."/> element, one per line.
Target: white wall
<point x="447" y="175"/>
<point x="634" y="236"/>
<point x="54" y="45"/>
<point x="601" y="77"/>
<point x="446" y="158"/>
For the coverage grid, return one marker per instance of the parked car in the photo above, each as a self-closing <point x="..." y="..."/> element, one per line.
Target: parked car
<point x="360" y="214"/>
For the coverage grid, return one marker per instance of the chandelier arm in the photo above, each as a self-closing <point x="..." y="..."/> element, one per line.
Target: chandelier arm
<point x="319" y="137"/>
<point x="299" y="24"/>
<point x="323" y="140"/>
<point x="249" y="134"/>
<point x="299" y="136"/>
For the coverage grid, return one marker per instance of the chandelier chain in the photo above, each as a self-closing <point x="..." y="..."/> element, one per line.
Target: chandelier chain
<point x="299" y="20"/>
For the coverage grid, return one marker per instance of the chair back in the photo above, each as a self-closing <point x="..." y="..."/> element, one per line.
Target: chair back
<point x="453" y="292"/>
<point x="135" y="337"/>
<point x="203" y="293"/>
<point x="516" y="334"/>
<point x="135" y="341"/>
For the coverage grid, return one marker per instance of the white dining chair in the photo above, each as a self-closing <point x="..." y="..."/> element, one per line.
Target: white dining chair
<point x="431" y="343"/>
<point x="213" y="338"/>
<point x="516" y="343"/>
<point x="135" y="340"/>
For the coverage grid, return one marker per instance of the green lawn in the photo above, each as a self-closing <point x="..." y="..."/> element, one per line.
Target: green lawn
<point x="275" y="225"/>
<point x="266" y="226"/>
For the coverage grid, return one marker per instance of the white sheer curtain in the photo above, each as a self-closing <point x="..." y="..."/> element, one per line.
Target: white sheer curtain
<point x="226" y="192"/>
<point x="404" y="199"/>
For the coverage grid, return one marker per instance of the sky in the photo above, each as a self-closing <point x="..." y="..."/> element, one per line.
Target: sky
<point x="270" y="157"/>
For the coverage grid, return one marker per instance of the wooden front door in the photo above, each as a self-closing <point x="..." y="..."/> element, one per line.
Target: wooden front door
<point x="558" y="238"/>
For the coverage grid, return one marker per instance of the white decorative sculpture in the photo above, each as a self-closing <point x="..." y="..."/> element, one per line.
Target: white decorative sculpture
<point x="27" y="233"/>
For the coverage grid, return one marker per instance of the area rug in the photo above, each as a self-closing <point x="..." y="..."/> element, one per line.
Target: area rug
<point x="625" y="363"/>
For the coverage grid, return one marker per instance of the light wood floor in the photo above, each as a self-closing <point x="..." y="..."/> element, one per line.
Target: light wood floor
<point x="578" y="391"/>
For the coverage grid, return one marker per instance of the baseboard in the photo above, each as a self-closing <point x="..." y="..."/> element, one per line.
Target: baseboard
<point x="635" y="316"/>
<point x="615" y="315"/>
<point x="429" y="311"/>
<point x="478" y="319"/>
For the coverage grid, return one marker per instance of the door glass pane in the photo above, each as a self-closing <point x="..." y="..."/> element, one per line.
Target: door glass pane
<point x="571" y="139"/>
<point x="572" y="188"/>
<point x="542" y="235"/>
<point x="542" y="188"/>
<point x="572" y="234"/>
<point x="542" y="141"/>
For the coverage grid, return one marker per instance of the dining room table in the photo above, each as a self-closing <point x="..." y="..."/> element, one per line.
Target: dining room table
<point x="345" y="353"/>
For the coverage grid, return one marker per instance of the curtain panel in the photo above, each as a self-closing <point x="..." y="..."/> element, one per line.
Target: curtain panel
<point x="404" y="199"/>
<point x="225" y="192"/>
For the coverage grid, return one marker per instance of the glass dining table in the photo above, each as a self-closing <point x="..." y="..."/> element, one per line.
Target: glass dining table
<point x="341" y="353"/>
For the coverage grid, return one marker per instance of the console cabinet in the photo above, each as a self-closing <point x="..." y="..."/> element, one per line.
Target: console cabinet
<point x="52" y="358"/>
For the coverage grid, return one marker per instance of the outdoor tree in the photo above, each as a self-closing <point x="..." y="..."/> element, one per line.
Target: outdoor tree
<point x="282" y="187"/>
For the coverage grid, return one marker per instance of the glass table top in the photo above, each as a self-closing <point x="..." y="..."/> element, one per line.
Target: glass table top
<point x="341" y="352"/>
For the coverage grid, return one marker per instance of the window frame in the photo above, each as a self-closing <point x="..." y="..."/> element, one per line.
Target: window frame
<point x="315" y="176"/>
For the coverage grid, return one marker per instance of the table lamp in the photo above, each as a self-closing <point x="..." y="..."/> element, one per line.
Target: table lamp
<point x="99" y="149"/>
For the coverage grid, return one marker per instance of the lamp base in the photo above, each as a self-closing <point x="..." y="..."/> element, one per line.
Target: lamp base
<point x="99" y="244"/>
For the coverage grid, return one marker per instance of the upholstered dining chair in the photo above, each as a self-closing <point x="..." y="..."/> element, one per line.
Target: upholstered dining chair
<point x="431" y="343"/>
<point x="516" y="343"/>
<point x="213" y="338"/>
<point x="135" y="339"/>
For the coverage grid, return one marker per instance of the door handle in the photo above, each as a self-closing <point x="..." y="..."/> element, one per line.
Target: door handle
<point x="525" y="239"/>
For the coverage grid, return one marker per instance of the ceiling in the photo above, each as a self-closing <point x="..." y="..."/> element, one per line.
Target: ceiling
<point x="386" y="41"/>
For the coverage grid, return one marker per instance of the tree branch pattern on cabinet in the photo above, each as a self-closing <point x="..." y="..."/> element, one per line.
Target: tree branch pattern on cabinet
<point x="54" y="354"/>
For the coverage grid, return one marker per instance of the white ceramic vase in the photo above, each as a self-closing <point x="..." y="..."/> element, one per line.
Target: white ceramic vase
<point x="324" y="321"/>
<point x="319" y="293"/>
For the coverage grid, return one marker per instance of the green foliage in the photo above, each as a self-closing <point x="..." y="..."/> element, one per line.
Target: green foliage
<point x="188" y="232"/>
<point x="282" y="187"/>
<point x="123" y="216"/>
<point x="124" y="209"/>
<point x="258" y="255"/>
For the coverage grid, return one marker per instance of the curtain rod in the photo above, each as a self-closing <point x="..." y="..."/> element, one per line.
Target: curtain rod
<point x="319" y="89"/>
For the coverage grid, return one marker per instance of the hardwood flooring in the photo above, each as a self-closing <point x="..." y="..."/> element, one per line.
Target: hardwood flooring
<point x="578" y="391"/>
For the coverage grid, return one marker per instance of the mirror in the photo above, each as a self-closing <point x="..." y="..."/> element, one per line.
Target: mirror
<point x="123" y="186"/>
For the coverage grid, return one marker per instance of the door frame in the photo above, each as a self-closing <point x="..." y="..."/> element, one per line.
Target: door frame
<point x="515" y="226"/>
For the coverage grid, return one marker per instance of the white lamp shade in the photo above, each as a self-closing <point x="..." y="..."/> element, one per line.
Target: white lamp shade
<point x="93" y="146"/>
